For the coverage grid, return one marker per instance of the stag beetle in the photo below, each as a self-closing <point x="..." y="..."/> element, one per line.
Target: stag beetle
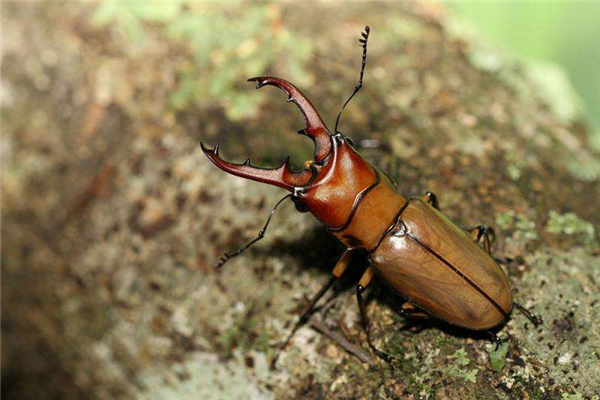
<point x="439" y="269"/>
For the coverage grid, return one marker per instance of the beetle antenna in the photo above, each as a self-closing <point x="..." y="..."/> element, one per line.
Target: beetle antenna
<point x="363" y="41"/>
<point x="230" y="254"/>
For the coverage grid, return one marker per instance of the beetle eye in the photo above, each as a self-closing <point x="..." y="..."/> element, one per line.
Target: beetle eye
<point x="300" y="205"/>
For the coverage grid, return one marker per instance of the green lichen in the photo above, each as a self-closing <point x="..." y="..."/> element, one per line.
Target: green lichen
<point x="570" y="224"/>
<point x="574" y="396"/>
<point x="553" y="86"/>
<point x="461" y="358"/>
<point x="513" y="171"/>
<point x="467" y="375"/>
<point x="505" y="220"/>
<point x="585" y="167"/>
<point x="202" y="375"/>
<point x="498" y="357"/>
<point x="525" y="228"/>
<point x="471" y="376"/>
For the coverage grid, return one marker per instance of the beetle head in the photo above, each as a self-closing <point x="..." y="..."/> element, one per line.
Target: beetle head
<point x="328" y="185"/>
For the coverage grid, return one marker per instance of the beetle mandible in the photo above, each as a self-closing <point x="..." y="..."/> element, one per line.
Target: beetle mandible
<point x="439" y="269"/>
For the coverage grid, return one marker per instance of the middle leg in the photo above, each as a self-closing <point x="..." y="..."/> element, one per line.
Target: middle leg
<point x="409" y="310"/>
<point x="431" y="199"/>
<point x="483" y="232"/>
<point x="360" y="288"/>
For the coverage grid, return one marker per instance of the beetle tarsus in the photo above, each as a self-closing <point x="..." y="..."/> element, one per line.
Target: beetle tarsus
<point x="409" y="310"/>
<point x="367" y="326"/>
<point x="496" y="339"/>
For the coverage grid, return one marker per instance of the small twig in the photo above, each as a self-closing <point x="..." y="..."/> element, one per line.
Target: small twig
<point x="331" y="302"/>
<point x="359" y="353"/>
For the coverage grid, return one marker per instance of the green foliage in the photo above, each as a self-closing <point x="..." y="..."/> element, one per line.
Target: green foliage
<point x="228" y="43"/>
<point x="471" y="376"/>
<point x="129" y="15"/>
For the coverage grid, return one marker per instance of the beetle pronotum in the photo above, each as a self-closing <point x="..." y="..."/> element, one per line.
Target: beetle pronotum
<point x="438" y="268"/>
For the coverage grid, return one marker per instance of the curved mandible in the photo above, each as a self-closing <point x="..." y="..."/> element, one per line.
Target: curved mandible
<point x="283" y="176"/>
<point x="315" y="127"/>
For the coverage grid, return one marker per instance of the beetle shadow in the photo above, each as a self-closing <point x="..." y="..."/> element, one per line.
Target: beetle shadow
<point x="418" y="325"/>
<point x="319" y="250"/>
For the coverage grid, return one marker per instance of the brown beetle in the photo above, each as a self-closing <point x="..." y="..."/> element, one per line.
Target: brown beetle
<point x="437" y="267"/>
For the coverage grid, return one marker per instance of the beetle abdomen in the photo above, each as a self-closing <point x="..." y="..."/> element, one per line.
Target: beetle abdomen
<point x="435" y="265"/>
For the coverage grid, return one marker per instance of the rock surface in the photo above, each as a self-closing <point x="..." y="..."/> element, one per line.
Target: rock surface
<point x="112" y="217"/>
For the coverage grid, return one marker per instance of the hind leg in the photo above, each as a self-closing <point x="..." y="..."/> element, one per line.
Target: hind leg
<point x="409" y="310"/>
<point x="484" y="236"/>
<point x="536" y="320"/>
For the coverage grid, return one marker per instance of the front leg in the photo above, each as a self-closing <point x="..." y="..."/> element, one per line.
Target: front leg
<point x="337" y="272"/>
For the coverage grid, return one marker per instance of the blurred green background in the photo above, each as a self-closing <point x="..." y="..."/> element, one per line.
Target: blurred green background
<point x="558" y="41"/>
<point x="541" y="32"/>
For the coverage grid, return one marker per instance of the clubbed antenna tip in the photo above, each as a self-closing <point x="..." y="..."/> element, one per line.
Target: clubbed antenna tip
<point x="363" y="41"/>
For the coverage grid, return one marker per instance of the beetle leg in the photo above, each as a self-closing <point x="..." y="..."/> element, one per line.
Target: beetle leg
<point x="409" y="310"/>
<point x="360" y="288"/>
<point x="431" y="199"/>
<point x="338" y="270"/>
<point x="484" y="232"/>
<point x="535" y="319"/>
<point x="494" y="338"/>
